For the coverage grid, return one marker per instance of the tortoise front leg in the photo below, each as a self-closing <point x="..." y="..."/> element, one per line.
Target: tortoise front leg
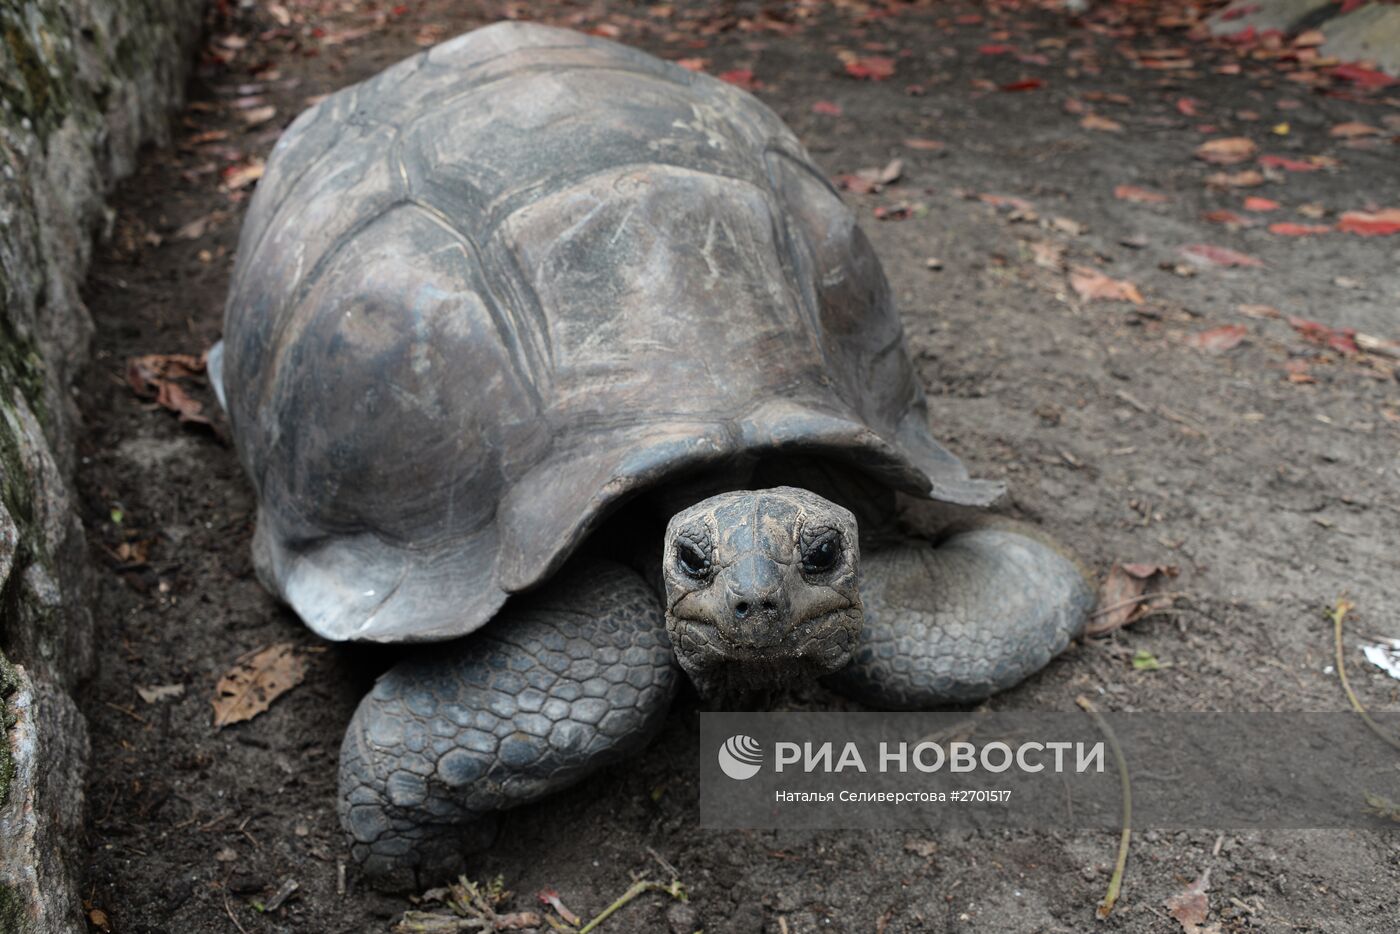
<point x="561" y="683"/>
<point x="960" y="620"/>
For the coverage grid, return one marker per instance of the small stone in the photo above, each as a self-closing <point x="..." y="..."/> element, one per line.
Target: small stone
<point x="933" y="263"/>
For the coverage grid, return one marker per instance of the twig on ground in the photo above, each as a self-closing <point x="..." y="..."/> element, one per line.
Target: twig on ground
<point x="1115" y="882"/>
<point x="1339" y="615"/>
<point x="640" y="887"/>
<point x="228" y="909"/>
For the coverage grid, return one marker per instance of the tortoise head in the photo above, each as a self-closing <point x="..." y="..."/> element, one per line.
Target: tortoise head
<point x="762" y="590"/>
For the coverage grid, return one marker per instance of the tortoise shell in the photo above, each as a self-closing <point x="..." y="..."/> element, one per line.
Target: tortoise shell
<point x="486" y="296"/>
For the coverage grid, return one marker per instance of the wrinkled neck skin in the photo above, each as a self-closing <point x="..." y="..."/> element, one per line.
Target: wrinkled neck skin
<point x="762" y="592"/>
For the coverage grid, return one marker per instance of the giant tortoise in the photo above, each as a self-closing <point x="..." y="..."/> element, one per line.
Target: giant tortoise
<point x="571" y="362"/>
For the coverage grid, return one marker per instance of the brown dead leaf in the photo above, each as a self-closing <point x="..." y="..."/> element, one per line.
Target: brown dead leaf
<point x="256" y="679"/>
<point x="1048" y="255"/>
<point x="1353" y="129"/>
<point x="1190" y="907"/>
<point x="1102" y="124"/>
<point x="923" y="145"/>
<point x="1227" y="150"/>
<point x="257" y="116"/>
<point x="154" y="377"/>
<point x="1123" y="597"/>
<point x="1092" y="285"/>
<point x="1247" y="178"/>
<point x="241" y="176"/>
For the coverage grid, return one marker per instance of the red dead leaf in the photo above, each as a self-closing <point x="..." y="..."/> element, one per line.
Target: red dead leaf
<point x="827" y="108"/>
<point x="995" y="49"/>
<point x="1311" y="164"/>
<point x="874" y="68"/>
<point x="1260" y="205"/>
<point x="1218" y="340"/>
<point x="1218" y="255"/>
<point x="1226" y="151"/>
<point x="1092" y="285"/>
<point x="256" y="680"/>
<point x="693" y="64"/>
<point x="1025" y="84"/>
<point x="1371" y="224"/>
<point x="924" y="145"/>
<point x="1139" y="195"/>
<point x="1363" y="77"/>
<point x="1342" y="340"/>
<point x="1188" y="106"/>
<point x="1299" y="230"/>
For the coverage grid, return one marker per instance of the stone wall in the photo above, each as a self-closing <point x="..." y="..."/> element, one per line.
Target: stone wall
<point x="83" y="84"/>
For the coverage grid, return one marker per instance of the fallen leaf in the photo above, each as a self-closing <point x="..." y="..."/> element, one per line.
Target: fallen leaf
<point x="1227" y="151"/>
<point x="257" y="116"/>
<point x="1353" y="129"/>
<point x="874" y="68"/>
<point x="1259" y="311"/>
<point x="1218" y="340"/>
<point x="241" y="176"/>
<point x="1024" y="84"/>
<point x="1209" y="255"/>
<point x="923" y="145"/>
<point x="1362" y="76"/>
<point x="1092" y="285"/>
<point x="1342" y="340"/>
<point x="1139" y="195"/>
<point x="995" y="49"/>
<point x="1190" y="906"/>
<point x="1371" y="223"/>
<point x="1310" y="164"/>
<point x="1123" y="597"/>
<point x="741" y="78"/>
<point x="1007" y="201"/>
<point x="154" y="377"/>
<point x="1228" y="218"/>
<point x="1103" y="124"/>
<point x="1260" y="205"/>
<point x="1188" y="106"/>
<point x="256" y="680"/>
<point x="693" y="64"/>
<point x="1048" y="255"/>
<point x="1299" y="230"/>
<point x="160" y="692"/>
<point x="1248" y="178"/>
<point x="827" y="108"/>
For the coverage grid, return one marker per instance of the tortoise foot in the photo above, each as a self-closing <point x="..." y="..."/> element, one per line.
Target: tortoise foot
<point x="958" y="621"/>
<point x="560" y="684"/>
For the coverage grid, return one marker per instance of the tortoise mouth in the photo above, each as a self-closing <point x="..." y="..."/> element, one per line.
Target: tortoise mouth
<point x="721" y="666"/>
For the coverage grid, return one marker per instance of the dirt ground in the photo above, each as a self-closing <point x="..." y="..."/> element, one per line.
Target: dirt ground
<point x="1269" y="471"/>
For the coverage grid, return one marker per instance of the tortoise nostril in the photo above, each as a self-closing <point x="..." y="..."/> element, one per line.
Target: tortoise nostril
<point x="741" y="609"/>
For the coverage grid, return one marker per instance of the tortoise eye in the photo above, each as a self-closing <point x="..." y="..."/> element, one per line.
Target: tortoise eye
<point x="822" y="554"/>
<point x="692" y="561"/>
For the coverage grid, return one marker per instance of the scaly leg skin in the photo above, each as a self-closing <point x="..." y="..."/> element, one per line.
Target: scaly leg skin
<point x="561" y="683"/>
<point x="958" y="621"/>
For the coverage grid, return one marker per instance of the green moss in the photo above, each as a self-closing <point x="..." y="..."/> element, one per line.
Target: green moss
<point x="9" y="683"/>
<point x="11" y="911"/>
